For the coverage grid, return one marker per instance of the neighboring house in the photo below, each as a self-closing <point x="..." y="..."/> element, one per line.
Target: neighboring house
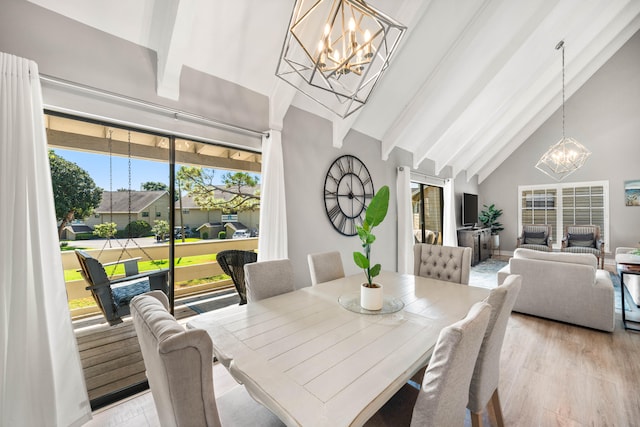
<point x="214" y="221"/>
<point x="71" y="231"/>
<point x="145" y="205"/>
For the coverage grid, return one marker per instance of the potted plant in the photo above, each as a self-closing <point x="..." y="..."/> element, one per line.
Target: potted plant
<point x="489" y="217"/>
<point x="370" y="292"/>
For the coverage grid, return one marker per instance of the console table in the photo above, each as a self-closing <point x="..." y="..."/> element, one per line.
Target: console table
<point x="479" y="240"/>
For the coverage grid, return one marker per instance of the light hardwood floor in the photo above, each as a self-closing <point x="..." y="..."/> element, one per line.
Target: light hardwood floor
<point x="552" y="374"/>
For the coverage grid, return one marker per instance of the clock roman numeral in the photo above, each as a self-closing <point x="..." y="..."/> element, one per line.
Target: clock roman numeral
<point x="336" y="180"/>
<point x="334" y="212"/>
<point x="352" y="226"/>
<point x="342" y="222"/>
<point x="330" y="194"/>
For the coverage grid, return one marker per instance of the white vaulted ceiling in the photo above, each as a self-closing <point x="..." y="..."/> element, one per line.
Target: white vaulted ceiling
<point x="472" y="80"/>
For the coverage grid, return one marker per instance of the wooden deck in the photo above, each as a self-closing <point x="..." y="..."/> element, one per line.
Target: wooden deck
<point x="110" y="355"/>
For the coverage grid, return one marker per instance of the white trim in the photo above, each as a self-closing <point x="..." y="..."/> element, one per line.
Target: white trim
<point x="427" y="179"/>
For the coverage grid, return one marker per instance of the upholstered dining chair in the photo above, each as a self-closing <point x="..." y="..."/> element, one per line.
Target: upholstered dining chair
<point x="449" y="263"/>
<point x="325" y="266"/>
<point x="268" y="278"/>
<point x="179" y="368"/>
<point x="442" y="399"/>
<point x="484" y="383"/>
<point x="537" y="237"/>
<point x="232" y="262"/>
<point x="584" y="239"/>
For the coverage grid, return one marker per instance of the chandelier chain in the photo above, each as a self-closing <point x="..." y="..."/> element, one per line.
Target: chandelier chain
<point x="563" y="96"/>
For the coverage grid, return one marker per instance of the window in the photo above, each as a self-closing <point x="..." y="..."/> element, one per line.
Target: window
<point x="559" y="205"/>
<point x="158" y="214"/>
<point x="145" y="214"/>
<point x="185" y="211"/>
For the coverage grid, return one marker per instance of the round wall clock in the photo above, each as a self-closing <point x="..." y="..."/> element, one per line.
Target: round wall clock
<point x="348" y="189"/>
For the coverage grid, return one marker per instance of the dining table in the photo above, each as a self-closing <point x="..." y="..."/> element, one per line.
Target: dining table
<point x="314" y="357"/>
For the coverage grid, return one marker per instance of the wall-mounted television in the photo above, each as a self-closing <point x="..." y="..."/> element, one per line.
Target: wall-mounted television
<point x="469" y="209"/>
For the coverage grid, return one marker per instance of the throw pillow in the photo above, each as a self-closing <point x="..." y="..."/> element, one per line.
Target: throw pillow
<point x="534" y="238"/>
<point x="582" y="240"/>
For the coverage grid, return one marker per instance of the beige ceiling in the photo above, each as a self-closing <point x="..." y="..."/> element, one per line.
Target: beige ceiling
<point x="79" y="135"/>
<point x="472" y="80"/>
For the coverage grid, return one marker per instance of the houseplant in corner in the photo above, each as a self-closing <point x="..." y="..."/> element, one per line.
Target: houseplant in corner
<point x="370" y="292"/>
<point x="489" y="217"/>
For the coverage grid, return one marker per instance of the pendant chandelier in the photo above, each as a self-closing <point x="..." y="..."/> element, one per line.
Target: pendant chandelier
<point x="567" y="155"/>
<point x="335" y="51"/>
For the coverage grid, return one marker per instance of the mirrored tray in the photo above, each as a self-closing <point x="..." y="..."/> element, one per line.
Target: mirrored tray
<point x="352" y="303"/>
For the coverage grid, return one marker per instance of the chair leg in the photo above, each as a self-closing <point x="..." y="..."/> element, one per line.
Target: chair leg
<point x="497" y="409"/>
<point x="476" y="419"/>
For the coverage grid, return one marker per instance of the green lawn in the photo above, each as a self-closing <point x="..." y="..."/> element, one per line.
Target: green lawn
<point x="70" y="275"/>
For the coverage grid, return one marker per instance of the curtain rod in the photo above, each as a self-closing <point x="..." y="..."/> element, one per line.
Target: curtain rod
<point x="177" y="114"/>
<point x="423" y="175"/>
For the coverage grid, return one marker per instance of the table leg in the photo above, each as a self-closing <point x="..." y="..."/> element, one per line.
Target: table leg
<point x="624" y="318"/>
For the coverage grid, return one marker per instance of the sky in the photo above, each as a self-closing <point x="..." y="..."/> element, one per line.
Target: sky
<point x="97" y="165"/>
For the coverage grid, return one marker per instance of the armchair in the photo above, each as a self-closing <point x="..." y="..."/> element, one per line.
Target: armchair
<point x="584" y="239"/>
<point x="536" y="236"/>
<point x="113" y="296"/>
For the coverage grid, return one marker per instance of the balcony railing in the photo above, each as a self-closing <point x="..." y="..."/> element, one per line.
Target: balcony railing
<point x="76" y="288"/>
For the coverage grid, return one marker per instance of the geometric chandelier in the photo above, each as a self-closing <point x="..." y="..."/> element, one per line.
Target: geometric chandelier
<point x="567" y="155"/>
<point x="335" y="51"/>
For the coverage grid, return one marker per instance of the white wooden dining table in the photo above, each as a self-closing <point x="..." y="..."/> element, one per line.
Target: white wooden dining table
<point x="313" y="362"/>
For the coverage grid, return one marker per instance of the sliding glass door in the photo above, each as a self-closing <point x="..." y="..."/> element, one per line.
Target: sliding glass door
<point x="427" y="205"/>
<point x="134" y="199"/>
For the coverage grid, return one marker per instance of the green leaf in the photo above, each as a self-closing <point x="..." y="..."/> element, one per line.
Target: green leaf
<point x="361" y="260"/>
<point x="370" y="239"/>
<point x="375" y="270"/>
<point x="377" y="209"/>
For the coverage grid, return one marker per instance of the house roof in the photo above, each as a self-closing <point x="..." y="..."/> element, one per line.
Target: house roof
<point x="118" y="201"/>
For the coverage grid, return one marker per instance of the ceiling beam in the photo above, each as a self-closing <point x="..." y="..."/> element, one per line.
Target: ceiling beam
<point x="172" y="28"/>
<point x="279" y="103"/>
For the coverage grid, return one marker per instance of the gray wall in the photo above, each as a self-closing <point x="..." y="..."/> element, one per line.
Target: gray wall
<point x="308" y="153"/>
<point x="604" y="115"/>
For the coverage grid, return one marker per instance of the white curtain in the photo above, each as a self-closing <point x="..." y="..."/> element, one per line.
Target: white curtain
<point x="405" y="221"/>
<point x="450" y="233"/>
<point x="272" y="241"/>
<point x="42" y="383"/>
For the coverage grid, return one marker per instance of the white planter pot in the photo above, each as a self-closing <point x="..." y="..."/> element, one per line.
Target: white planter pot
<point x="495" y="241"/>
<point x="371" y="298"/>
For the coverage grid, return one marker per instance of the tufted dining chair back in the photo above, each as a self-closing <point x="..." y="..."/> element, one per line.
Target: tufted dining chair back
<point x="449" y="263"/>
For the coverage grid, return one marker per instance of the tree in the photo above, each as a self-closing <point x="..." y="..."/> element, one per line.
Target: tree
<point x="137" y="228"/>
<point x="106" y="230"/>
<point x="236" y="195"/>
<point x="154" y="186"/>
<point x="160" y="228"/>
<point x="75" y="193"/>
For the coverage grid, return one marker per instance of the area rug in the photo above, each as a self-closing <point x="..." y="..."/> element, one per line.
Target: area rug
<point x="485" y="273"/>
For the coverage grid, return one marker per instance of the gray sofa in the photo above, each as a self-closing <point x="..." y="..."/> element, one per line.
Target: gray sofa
<point x="563" y="286"/>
